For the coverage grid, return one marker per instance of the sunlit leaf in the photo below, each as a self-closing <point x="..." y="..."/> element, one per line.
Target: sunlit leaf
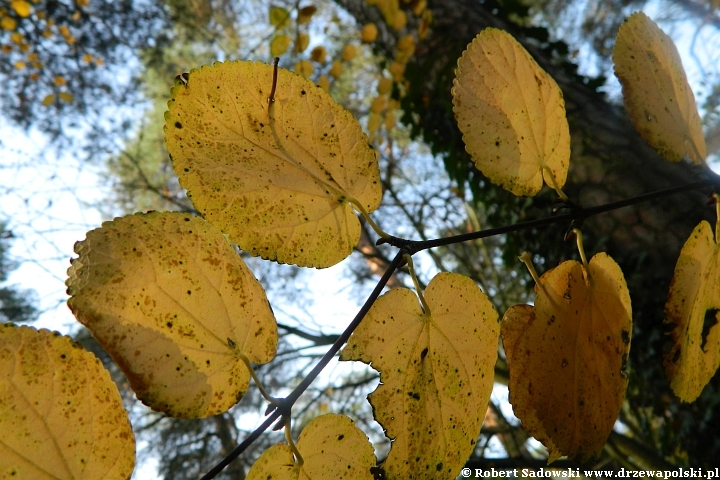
<point x="436" y="373"/>
<point x="369" y="33"/>
<point x="278" y="178"/>
<point x="169" y="298"/>
<point x="21" y="7"/>
<point x="8" y="23"/>
<point x="567" y="357"/>
<point x="48" y="100"/>
<point x="399" y="20"/>
<point x="279" y="45"/>
<point x="301" y="42"/>
<point x="657" y="95"/>
<point x="336" y="69"/>
<point x="384" y="86"/>
<point x="61" y="415"/>
<point x="304" y="68"/>
<point x="324" y="83"/>
<point x="332" y="448"/>
<point x="60" y="81"/>
<point x="279" y="17"/>
<point x="66" y="97"/>
<point x="511" y="114"/>
<point x="348" y="53"/>
<point x="693" y="306"/>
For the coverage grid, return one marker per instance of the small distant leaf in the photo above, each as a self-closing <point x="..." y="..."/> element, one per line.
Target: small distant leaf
<point x="379" y="104"/>
<point x="693" y="306"/>
<point x="348" y="53"/>
<point x="567" y="355"/>
<point x="8" y="23"/>
<point x="21" y="7"/>
<point x="305" y="14"/>
<point x="324" y="83"/>
<point x="304" y="68"/>
<point x="279" y="17"/>
<point x="406" y="43"/>
<point x="279" y="177"/>
<point x="48" y="100"/>
<point x="20" y="65"/>
<point x="279" y="45"/>
<point x="511" y="114"/>
<point x="301" y="42"/>
<point x="384" y="85"/>
<point x="169" y="298"/>
<point x="332" y="448"/>
<point x="61" y="415"/>
<point x="369" y="33"/>
<point x="66" y="97"/>
<point x="336" y="69"/>
<point x="436" y="373"/>
<point x="318" y="54"/>
<point x="60" y="81"/>
<point x="399" y="20"/>
<point x="657" y="95"/>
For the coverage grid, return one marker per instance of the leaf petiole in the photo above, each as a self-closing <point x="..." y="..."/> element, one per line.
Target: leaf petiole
<point x="288" y="436"/>
<point x="581" y="249"/>
<point x="527" y="260"/>
<point x="368" y="219"/>
<point x="411" y="268"/>
<point x="554" y="185"/>
<point x="272" y="400"/>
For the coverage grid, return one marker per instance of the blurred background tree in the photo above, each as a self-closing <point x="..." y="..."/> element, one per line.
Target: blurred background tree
<point x="94" y="77"/>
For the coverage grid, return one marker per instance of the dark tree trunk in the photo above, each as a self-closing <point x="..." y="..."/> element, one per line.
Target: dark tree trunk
<point x="609" y="162"/>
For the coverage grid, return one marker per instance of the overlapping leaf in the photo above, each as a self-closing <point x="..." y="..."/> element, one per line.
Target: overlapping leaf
<point x="332" y="447"/>
<point x="567" y="357"/>
<point x="436" y="371"/>
<point x="279" y="177"/>
<point x="167" y="296"/>
<point x="61" y="415"/>
<point x="657" y="95"/>
<point x="693" y="306"/>
<point x="511" y="114"/>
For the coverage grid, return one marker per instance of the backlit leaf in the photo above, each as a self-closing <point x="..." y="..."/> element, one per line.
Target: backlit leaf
<point x="511" y="114"/>
<point x="61" y="415"/>
<point x="348" y="53"/>
<point x="279" y="17"/>
<point x="169" y="298"/>
<point x="318" y="54"/>
<point x="567" y="357"/>
<point x="369" y="33"/>
<point x="436" y="373"/>
<point x="279" y="45"/>
<point x="278" y="182"/>
<point x="657" y="95"/>
<point x="304" y="68"/>
<point x="21" y="7"/>
<point x="305" y="14"/>
<point x="301" y="42"/>
<point x="693" y="306"/>
<point x="332" y="448"/>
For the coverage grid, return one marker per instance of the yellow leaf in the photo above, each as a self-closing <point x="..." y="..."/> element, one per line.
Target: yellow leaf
<point x="368" y="34"/>
<point x="305" y="14"/>
<point x="17" y="38"/>
<point x="66" y="97"/>
<point x="399" y="20"/>
<point x="279" y="45"/>
<point x="319" y="54"/>
<point x="332" y="448"/>
<point x="656" y="92"/>
<point x="379" y="104"/>
<point x="167" y="296"/>
<point x="324" y="83"/>
<point x="61" y="415"/>
<point x="48" y="100"/>
<point x="384" y="85"/>
<point x="424" y="27"/>
<point x="511" y="114"/>
<point x="406" y="43"/>
<point x="279" y="178"/>
<point x="436" y="373"/>
<point x="301" y="42"/>
<point x="398" y="70"/>
<point x="8" y="23"/>
<point x="21" y="7"/>
<point x="64" y="31"/>
<point x="87" y="58"/>
<point x="348" y="53"/>
<point x="389" y="120"/>
<point x="418" y="7"/>
<point x="693" y="306"/>
<point x="336" y="69"/>
<point x="304" y="68"/>
<point x="82" y="3"/>
<point x="59" y="81"/>
<point x="20" y="65"/>
<point x="374" y="122"/>
<point x="579" y="331"/>
<point x="279" y="17"/>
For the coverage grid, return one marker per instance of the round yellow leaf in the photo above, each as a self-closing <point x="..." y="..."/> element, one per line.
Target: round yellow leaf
<point x="279" y="17"/>
<point x="48" y="100"/>
<point x="369" y="33"/>
<point x="167" y="296"/>
<point x="511" y="114"/>
<point x="305" y="14"/>
<point x="279" y="45"/>
<point x="384" y="86"/>
<point x="693" y="307"/>
<point x="301" y="42"/>
<point x="319" y="54"/>
<point x="656" y="92"/>
<point x="436" y="372"/>
<point x="324" y="83"/>
<point x="304" y="68"/>
<point x="21" y="7"/>
<point x="336" y="69"/>
<point x="348" y="53"/>
<point x="66" y="97"/>
<point x="59" y="81"/>
<point x="20" y="65"/>
<point x="332" y="448"/>
<point x="278" y="178"/>
<point x="379" y="104"/>
<point x="8" y="23"/>
<point x="579" y="330"/>
<point x="61" y="415"/>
